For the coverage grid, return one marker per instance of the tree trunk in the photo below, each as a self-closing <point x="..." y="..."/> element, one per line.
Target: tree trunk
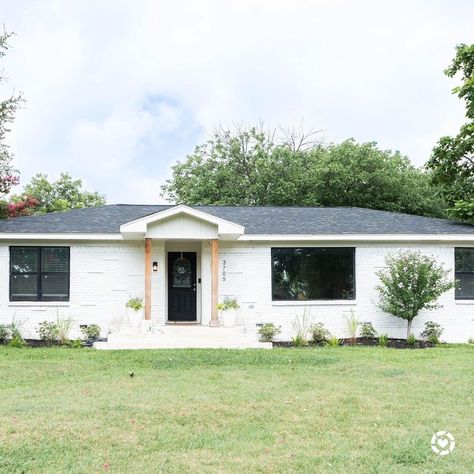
<point x="409" y="328"/>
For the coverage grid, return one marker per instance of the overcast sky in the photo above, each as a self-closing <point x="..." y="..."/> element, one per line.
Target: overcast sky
<point x="117" y="91"/>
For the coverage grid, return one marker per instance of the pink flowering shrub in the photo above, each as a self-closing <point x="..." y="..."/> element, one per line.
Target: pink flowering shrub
<point x="23" y="207"/>
<point x="411" y="282"/>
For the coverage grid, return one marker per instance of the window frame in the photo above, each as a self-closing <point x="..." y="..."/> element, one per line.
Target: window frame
<point x="308" y="301"/>
<point x="39" y="274"/>
<point x="456" y="273"/>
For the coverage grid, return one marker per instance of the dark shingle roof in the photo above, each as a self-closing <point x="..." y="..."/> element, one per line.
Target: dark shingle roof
<point x="256" y="220"/>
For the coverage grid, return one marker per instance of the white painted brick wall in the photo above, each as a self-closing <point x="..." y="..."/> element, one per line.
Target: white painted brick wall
<point x="104" y="275"/>
<point x="248" y="278"/>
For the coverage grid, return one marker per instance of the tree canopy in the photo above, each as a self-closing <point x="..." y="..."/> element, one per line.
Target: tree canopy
<point x="452" y="160"/>
<point x="252" y="167"/>
<point x="50" y="196"/>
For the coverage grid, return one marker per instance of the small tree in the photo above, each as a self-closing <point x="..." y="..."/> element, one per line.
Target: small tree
<point x="409" y="283"/>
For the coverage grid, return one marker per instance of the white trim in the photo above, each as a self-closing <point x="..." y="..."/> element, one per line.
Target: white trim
<point x="139" y="226"/>
<point x="360" y="237"/>
<point x="78" y="236"/>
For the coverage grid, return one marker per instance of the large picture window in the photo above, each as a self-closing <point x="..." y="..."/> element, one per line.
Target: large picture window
<point x="313" y="273"/>
<point x="39" y="273"/>
<point x="464" y="273"/>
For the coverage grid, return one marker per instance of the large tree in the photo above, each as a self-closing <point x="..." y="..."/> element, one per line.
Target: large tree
<point x="252" y="167"/>
<point x="41" y="196"/>
<point x="452" y="160"/>
<point x="8" y="107"/>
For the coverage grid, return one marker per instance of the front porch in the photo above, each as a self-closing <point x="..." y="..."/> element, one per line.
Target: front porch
<point x="181" y="284"/>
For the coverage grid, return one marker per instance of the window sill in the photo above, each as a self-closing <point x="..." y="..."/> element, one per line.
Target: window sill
<point x="467" y="302"/>
<point x="316" y="303"/>
<point x="38" y="303"/>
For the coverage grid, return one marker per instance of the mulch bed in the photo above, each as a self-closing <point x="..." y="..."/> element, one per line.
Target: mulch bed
<point x="40" y="343"/>
<point x="361" y="341"/>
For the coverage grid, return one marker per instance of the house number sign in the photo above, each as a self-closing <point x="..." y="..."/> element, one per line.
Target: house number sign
<point x="224" y="270"/>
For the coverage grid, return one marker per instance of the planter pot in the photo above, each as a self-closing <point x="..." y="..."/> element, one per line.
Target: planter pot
<point x="134" y="317"/>
<point x="228" y="318"/>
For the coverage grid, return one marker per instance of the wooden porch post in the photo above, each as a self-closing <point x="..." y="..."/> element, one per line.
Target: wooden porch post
<point x="148" y="279"/>
<point x="214" y="281"/>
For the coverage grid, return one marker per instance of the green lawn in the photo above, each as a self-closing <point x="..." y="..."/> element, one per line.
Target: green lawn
<point x="286" y="410"/>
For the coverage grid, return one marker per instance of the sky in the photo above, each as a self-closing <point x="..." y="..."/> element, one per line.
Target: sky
<point x="118" y="91"/>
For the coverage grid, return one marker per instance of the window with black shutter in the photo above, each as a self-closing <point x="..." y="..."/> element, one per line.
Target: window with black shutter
<point x="39" y="273"/>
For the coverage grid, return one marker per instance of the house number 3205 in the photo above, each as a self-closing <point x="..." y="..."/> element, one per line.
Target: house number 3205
<point x="224" y="270"/>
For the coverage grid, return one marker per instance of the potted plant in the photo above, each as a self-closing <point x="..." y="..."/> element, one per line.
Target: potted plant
<point x="135" y="310"/>
<point x="229" y="312"/>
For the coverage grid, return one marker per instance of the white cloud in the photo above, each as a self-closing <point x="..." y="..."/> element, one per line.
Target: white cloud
<point x="118" y="90"/>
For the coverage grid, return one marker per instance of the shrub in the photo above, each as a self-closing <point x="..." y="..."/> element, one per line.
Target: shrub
<point x="91" y="332"/>
<point x="299" y="341"/>
<point x="411" y="340"/>
<point x="135" y="303"/>
<point x="368" y="331"/>
<point x="64" y="328"/>
<point x="352" y="326"/>
<point x="301" y="327"/>
<point x="73" y="343"/>
<point x="470" y="340"/>
<point x="319" y="333"/>
<point x="17" y="341"/>
<point x="383" y="340"/>
<point x="268" y="332"/>
<point x="432" y="332"/>
<point x="228" y="304"/>
<point x="48" y="332"/>
<point x="5" y="333"/>
<point x="411" y="282"/>
<point x="333" y="341"/>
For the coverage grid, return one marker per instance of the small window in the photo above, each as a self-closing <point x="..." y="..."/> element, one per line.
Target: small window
<point x="464" y="273"/>
<point x="39" y="273"/>
<point x="313" y="273"/>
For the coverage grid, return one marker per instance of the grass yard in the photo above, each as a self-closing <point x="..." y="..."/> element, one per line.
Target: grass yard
<point x="312" y="410"/>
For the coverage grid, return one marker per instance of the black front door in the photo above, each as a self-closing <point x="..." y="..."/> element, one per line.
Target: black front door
<point x="182" y="286"/>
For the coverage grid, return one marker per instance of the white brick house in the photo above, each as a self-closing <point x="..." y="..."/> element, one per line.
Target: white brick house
<point x="87" y="263"/>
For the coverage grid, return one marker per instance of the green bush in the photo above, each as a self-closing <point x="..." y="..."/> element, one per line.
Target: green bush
<point x="333" y="341"/>
<point x="411" y="340"/>
<point x="432" y="332"/>
<point x="268" y="331"/>
<point x="470" y="340"/>
<point x="91" y="332"/>
<point x="17" y="341"/>
<point x="135" y="303"/>
<point x="383" y="340"/>
<point x="368" y="331"/>
<point x="229" y="303"/>
<point x="73" y="343"/>
<point x="48" y="332"/>
<point x="299" y="341"/>
<point x="319" y="333"/>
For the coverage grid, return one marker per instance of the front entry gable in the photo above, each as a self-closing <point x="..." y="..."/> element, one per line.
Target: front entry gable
<point x="181" y="222"/>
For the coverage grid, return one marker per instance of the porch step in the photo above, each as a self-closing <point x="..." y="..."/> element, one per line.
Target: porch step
<point x="186" y="337"/>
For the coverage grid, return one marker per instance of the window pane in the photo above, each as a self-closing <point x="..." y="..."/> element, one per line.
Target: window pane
<point x="464" y="272"/>
<point x="24" y="287"/>
<point x="55" y="286"/>
<point x="313" y="273"/>
<point x="24" y="260"/>
<point x="54" y="259"/>
<point x="464" y="260"/>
